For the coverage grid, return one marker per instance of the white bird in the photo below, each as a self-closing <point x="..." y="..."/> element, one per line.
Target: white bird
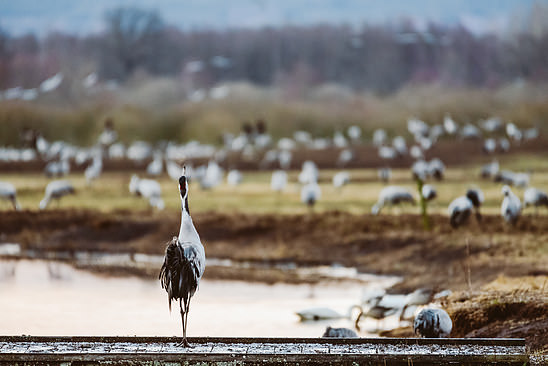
<point x="340" y="179"/>
<point x="490" y="170"/>
<point x="302" y="137"/>
<point x="93" y="171"/>
<point x="429" y="192"/>
<point x="470" y="131"/>
<point x="522" y="179"/>
<point x="109" y="134"/>
<point x="117" y="151"/>
<point x="384" y="174"/>
<point x="417" y="127"/>
<point x="57" y="168"/>
<point x="489" y="145"/>
<point x="234" y="177"/>
<point x="278" y="180"/>
<point x="510" y="208"/>
<point x="310" y="194"/>
<point x="8" y="192"/>
<point x="399" y="144"/>
<point x="531" y="133"/>
<point x="355" y="133"/>
<point x="309" y="173"/>
<point x="387" y="152"/>
<point x="420" y="170"/>
<point x="511" y="178"/>
<point x="345" y="157"/>
<point x="534" y="197"/>
<point x="492" y="124"/>
<point x="416" y="152"/>
<point x="379" y="137"/>
<point x="149" y="189"/>
<point x="513" y="131"/>
<point x="504" y="144"/>
<point x="173" y="169"/>
<point x="184" y="262"/>
<point x="450" y="125"/>
<point x="433" y="323"/>
<point x="139" y="151"/>
<point x="339" y="333"/>
<point x="436" y="132"/>
<point x="504" y="176"/>
<point x="379" y="307"/>
<point x="339" y="140"/>
<point x="52" y="83"/>
<point x="55" y="190"/>
<point x="284" y="158"/>
<point x="155" y="167"/>
<point x="436" y="168"/>
<point x="461" y="207"/>
<point x="213" y="176"/>
<point x="419" y="297"/>
<point x="319" y="313"/>
<point x="392" y="195"/>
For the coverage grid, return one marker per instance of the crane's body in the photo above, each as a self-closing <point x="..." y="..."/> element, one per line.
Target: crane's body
<point x="8" y="192"/>
<point x="184" y="261"/>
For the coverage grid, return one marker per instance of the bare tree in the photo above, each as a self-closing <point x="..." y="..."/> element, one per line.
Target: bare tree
<point x="132" y="40"/>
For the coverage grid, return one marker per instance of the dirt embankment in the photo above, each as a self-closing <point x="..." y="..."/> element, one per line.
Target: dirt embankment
<point x="383" y="244"/>
<point x="464" y="260"/>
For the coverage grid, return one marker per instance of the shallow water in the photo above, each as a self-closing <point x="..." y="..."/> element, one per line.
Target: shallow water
<point x="52" y="298"/>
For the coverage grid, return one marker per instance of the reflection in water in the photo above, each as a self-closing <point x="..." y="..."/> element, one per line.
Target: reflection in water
<point x="53" y="298"/>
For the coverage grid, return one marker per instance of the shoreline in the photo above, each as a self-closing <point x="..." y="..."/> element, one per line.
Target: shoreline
<point x="383" y="245"/>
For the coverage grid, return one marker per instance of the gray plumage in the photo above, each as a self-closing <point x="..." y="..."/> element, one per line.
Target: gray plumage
<point x="339" y="333"/>
<point x="535" y="197"/>
<point x="55" y="190"/>
<point x="433" y="323"/>
<point x="511" y="206"/>
<point x="429" y="192"/>
<point x="392" y="195"/>
<point x="461" y="207"/>
<point x="8" y="192"/>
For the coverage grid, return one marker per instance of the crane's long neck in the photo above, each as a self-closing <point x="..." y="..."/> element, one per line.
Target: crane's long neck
<point x="187" y="232"/>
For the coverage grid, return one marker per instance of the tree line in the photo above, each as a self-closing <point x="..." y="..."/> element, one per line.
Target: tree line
<point x="377" y="58"/>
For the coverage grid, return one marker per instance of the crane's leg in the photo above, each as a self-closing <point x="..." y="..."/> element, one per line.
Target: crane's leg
<point x="357" y="322"/>
<point x="187" y="310"/>
<point x="184" y="343"/>
<point x="184" y="317"/>
<point x="402" y="314"/>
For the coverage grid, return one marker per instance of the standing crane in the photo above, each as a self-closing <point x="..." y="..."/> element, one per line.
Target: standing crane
<point x="184" y="261"/>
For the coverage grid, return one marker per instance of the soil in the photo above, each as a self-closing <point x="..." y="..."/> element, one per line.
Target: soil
<point x="469" y="261"/>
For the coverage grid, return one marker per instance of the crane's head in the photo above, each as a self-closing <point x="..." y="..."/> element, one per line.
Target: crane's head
<point x="475" y="196"/>
<point x="183" y="185"/>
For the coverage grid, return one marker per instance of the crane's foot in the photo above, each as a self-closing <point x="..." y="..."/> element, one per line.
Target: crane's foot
<point x="184" y="343"/>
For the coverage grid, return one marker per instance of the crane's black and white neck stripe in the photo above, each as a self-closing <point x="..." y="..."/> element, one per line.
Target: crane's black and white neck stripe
<point x="183" y="189"/>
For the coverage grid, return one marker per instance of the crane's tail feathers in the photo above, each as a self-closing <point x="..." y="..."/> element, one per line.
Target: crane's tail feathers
<point x="179" y="274"/>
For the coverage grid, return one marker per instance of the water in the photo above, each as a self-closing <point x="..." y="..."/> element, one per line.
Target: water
<point x="41" y="297"/>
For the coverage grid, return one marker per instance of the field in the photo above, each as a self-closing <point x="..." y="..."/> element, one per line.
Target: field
<point x="498" y="273"/>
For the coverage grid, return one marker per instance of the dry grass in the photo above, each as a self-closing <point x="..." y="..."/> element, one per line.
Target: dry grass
<point x="110" y="191"/>
<point x="156" y="109"/>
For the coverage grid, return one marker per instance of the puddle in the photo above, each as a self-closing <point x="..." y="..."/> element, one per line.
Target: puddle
<point x="40" y="297"/>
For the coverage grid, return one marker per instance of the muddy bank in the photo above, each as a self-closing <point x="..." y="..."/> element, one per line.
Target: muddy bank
<point x="464" y="260"/>
<point x="383" y="244"/>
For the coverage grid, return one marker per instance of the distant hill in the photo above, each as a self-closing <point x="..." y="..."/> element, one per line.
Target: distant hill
<point x="83" y="17"/>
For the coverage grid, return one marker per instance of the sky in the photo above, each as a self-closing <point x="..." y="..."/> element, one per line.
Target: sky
<point x="85" y="17"/>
